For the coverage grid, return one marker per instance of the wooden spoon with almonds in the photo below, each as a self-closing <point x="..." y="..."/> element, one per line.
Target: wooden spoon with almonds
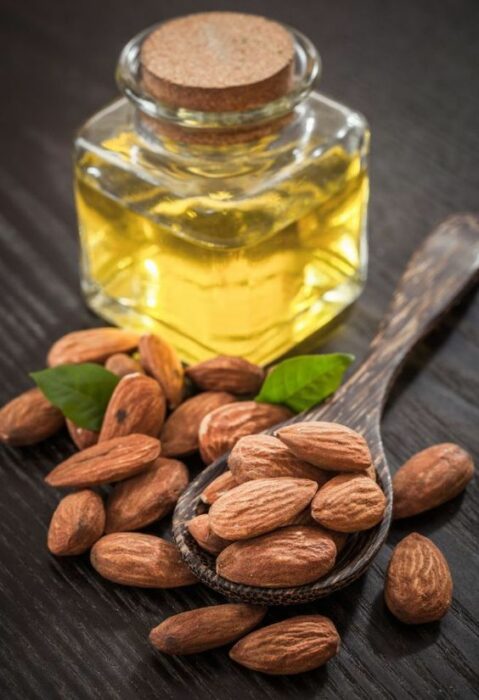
<point x="439" y="272"/>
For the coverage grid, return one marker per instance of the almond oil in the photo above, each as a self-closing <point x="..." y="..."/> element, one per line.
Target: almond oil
<point x="242" y="248"/>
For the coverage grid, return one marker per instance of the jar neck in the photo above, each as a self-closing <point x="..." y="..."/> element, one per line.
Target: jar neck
<point x="159" y="119"/>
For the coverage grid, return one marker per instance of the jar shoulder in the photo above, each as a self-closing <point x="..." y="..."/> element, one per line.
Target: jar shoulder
<point x="206" y="194"/>
<point x="319" y="126"/>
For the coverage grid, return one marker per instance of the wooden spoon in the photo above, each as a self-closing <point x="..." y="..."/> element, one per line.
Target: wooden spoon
<point x="442" y="268"/>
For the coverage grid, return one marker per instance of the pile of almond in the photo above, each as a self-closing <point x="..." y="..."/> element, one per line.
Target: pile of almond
<point x="279" y="516"/>
<point x="211" y="420"/>
<point x="289" y="501"/>
<point x="147" y="423"/>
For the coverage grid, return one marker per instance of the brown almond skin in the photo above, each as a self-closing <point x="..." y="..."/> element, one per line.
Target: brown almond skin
<point x="135" y="559"/>
<point x="221" y="429"/>
<point x="199" y="529"/>
<point x="160" y="360"/>
<point x="92" y="345"/>
<point x="179" y="436"/>
<point x="330" y="446"/>
<point x="82" y="437"/>
<point x="260" y="506"/>
<point x="198" y="630"/>
<point x="296" y="645"/>
<point x="225" y="373"/>
<point x="349" y="503"/>
<point x="109" y="461"/>
<point x="418" y="581"/>
<point x="306" y="518"/>
<point x="122" y="365"/>
<point x="147" y="497"/>
<point x="137" y="405"/>
<point x="291" y="556"/>
<point x="28" y="419"/>
<point x="264" y="457"/>
<point x="77" y="523"/>
<point x="216" y="488"/>
<point x="339" y="538"/>
<point x="430" y="478"/>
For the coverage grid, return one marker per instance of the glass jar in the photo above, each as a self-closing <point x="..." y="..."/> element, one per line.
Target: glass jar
<point x="238" y="232"/>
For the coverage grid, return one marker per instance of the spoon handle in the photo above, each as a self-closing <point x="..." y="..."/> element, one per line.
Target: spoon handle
<point x="440" y="270"/>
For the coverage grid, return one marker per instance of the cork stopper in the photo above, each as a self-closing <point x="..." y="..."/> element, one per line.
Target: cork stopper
<point x="218" y="62"/>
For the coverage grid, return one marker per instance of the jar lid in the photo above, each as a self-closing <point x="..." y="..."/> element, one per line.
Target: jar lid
<point x="218" y="61"/>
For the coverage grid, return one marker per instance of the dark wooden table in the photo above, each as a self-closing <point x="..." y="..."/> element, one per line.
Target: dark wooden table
<point x="412" y="69"/>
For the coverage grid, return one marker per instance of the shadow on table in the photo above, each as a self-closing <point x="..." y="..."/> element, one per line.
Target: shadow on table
<point x="426" y="523"/>
<point x="212" y="674"/>
<point x="397" y="639"/>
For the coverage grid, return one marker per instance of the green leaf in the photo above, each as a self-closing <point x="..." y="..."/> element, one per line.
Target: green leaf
<point x="302" y="382"/>
<point x="81" y="392"/>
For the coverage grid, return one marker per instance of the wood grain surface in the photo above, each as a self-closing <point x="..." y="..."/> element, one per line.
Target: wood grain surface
<point x="412" y="69"/>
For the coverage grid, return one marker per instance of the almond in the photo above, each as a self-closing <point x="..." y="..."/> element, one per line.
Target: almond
<point x="430" y="478"/>
<point x="205" y="628"/>
<point x="296" y="645"/>
<point x="135" y="559"/>
<point x="82" y="437"/>
<point x="122" y="365"/>
<point x="291" y="556"/>
<point x="306" y="518"/>
<point x="216" y="488"/>
<point x="199" y="529"/>
<point x="77" y="523"/>
<point x="147" y="497"/>
<point x="137" y="405"/>
<point x="180" y="433"/>
<point x="339" y="538"/>
<point x="330" y="446"/>
<point x="92" y="345"/>
<point x="259" y="506"/>
<point x="349" y="503"/>
<point x="418" y="581"/>
<point x="161" y="361"/>
<point x="28" y="419"/>
<point x="221" y="429"/>
<point x="224" y="373"/>
<point x="264" y="456"/>
<point x="112" y="460"/>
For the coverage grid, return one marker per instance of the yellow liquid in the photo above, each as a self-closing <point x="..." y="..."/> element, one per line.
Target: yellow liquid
<point x="219" y="273"/>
